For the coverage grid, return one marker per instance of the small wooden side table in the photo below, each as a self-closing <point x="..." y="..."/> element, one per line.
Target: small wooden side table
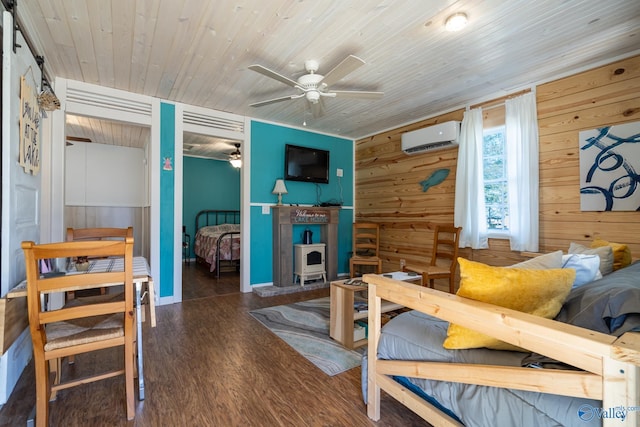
<point x="343" y="314"/>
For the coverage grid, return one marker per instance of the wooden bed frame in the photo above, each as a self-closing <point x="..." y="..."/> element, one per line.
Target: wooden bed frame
<point x="609" y="365"/>
<point x="216" y="217"/>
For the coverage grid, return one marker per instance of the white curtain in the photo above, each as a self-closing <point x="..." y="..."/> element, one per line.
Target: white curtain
<point x="469" y="211"/>
<point x="521" y="128"/>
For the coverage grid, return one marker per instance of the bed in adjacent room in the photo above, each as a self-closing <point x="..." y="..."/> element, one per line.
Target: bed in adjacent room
<point x="217" y="240"/>
<point x="577" y="368"/>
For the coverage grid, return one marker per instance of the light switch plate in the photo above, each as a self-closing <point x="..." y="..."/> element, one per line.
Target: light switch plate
<point x="265" y="210"/>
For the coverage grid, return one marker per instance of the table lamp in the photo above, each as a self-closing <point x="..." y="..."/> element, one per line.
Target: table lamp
<point x="279" y="189"/>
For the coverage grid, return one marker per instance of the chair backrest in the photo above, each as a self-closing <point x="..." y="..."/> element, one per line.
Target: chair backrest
<point x="40" y="285"/>
<point x="445" y="244"/>
<point x="366" y="239"/>
<point x="98" y="233"/>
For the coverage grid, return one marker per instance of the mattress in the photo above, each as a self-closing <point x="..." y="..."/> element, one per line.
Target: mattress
<point x="417" y="336"/>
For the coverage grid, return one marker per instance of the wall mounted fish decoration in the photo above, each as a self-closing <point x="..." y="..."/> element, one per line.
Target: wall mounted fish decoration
<point x="436" y="178"/>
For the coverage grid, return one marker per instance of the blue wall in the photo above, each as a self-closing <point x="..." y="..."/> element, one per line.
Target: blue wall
<point x="208" y="184"/>
<point x="167" y="195"/>
<point x="267" y="165"/>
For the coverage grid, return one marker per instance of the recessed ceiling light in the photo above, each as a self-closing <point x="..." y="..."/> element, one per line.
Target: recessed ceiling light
<point x="456" y="22"/>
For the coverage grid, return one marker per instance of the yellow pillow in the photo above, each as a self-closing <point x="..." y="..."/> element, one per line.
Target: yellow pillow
<point x="538" y="292"/>
<point x="621" y="253"/>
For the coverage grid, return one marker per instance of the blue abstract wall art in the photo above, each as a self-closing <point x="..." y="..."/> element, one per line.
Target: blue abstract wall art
<point x="609" y="167"/>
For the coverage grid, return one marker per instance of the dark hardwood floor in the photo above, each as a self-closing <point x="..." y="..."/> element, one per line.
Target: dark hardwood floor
<point x="199" y="282"/>
<point x="209" y="363"/>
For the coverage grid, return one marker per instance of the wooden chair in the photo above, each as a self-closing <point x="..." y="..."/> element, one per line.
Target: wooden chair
<point x="79" y="328"/>
<point x="366" y="247"/>
<point x="445" y="246"/>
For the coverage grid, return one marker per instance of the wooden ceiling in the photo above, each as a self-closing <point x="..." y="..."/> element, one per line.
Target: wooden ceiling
<point x="197" y="52"/>
<point x="99" y="131"/>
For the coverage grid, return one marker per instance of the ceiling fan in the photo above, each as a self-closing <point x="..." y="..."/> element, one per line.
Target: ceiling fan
<point x="71" y="139"/>
<point x="314" y="87"/>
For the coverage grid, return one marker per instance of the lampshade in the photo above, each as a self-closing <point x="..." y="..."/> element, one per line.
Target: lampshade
<point x="456" y="22"/>
<point x="279" y="189"/>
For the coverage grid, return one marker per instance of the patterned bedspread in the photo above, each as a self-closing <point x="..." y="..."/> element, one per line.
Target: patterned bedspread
<point x="207" y="237"/>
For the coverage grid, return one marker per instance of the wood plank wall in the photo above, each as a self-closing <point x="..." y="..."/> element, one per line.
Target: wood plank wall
<point x="388" y="189"/>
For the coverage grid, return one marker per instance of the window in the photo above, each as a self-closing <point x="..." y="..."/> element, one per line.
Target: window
<point x="503" y="201"/>
<point x="496" y="185"/>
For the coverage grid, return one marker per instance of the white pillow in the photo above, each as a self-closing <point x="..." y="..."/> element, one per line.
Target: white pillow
<point x="587" y="267"/>
<point x="604" y="252"/>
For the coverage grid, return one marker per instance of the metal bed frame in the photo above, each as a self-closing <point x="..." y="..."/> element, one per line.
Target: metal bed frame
<point x="216" y="217"/>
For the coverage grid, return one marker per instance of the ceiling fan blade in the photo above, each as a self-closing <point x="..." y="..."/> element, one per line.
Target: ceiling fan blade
<point x="78" y="139"/>
<point x="272" y="74"/>
<point x="357" y="94"/>
<point x="274" y="100"/>
<point x="348" y="65"/>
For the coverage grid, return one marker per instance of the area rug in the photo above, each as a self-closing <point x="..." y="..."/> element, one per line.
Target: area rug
<point x="305" y="327"/>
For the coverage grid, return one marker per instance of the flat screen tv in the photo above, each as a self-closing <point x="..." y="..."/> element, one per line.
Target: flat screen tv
<point x="306" y="164"/>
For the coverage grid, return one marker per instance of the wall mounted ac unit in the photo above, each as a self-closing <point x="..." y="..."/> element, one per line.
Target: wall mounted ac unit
<point x="431" y="138"/>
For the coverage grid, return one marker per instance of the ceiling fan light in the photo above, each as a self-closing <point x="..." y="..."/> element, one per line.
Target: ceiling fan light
<point x="235" y="158"/>
<point x="313" y="96"/>
<point x="456" y="22"/>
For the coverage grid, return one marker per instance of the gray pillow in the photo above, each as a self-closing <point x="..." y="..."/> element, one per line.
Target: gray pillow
<point x="542" y="262"/>
<point x="610" y="305"/>
<point x="604" y="252"/>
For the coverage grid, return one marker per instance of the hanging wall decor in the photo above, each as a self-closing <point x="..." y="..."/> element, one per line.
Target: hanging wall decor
<point x="29" y="128"/>
<point x="609" y="168"/>
<point x="167" y="164"/>
<point x="436" y="178"/>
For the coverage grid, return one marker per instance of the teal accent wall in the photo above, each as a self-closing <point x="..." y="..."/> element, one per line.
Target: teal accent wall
<point x="207" y="184"/>
<point x="167" y="196"/>
<point x="267" y="161"/>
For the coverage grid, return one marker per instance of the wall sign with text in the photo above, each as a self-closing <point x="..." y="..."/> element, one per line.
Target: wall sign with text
<point x="309" y="216"/>
<point x="29" y="129"/>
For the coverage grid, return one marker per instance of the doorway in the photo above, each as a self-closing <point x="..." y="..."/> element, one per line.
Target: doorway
<point x="210" y="182"/>
<point x="106" y="176"/>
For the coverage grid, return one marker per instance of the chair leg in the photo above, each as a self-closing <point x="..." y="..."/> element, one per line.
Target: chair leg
<point x="42" y="391"/>
<point x="135" y="352"/>
<point x="55" y="367"/>
<point x="129" y="379"/>
<point x="351" y="270"/>
<point x="451" y="285"/>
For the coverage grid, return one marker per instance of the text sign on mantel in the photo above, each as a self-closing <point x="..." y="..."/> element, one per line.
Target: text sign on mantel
<point x="309" y="216"/>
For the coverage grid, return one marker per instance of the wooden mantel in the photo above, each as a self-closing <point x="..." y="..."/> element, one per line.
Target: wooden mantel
<point x="284" y="218"/>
